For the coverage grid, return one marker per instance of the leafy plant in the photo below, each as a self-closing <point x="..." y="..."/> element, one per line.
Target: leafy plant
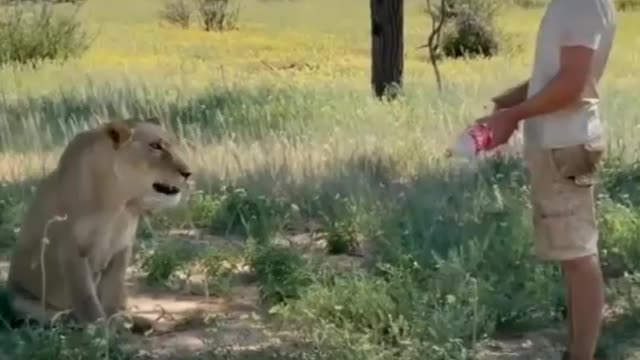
<point x="259" y="217"/>
<point x="177" y="12"/>
<point x="29" y="34"/>
<point x="342" y="237"/>
<point x="627" y="5"/>
<point x="281" y="272"/>
<point x="165" y="260"/>
<point x="219" y="265"/>
<point x="471" y="31"/>
<point x="218" y="15"/>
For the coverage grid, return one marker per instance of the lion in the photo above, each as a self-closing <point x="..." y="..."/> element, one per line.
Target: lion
<point x="76" y="238"/>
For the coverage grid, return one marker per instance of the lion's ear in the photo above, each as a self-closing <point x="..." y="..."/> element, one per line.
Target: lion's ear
<point x="119" y="133"/>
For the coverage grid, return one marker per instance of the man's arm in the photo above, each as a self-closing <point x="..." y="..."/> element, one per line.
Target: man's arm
<point x="581" y="33"/>
<point x="563" y="90"/>
<point x="511" y="97"/>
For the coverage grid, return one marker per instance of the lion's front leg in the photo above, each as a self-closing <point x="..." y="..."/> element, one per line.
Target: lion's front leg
<point x="81" y="287"/>
<point x="111" y="290"/>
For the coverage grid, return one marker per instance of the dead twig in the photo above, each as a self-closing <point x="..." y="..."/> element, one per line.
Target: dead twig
<point x="433" y="42"/>
<point x="43" y="249"/>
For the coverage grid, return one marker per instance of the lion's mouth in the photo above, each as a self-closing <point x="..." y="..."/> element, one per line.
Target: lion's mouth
<point x="165" y="189"/>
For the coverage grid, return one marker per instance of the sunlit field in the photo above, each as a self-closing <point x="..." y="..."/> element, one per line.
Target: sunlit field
<point x="404" y="254"/>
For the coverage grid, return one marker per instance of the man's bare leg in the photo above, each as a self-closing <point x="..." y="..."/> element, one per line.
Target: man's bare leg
<point x="586" y="302"/>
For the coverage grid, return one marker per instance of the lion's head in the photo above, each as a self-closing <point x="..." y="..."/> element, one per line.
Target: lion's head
<point x="147" y="163"/>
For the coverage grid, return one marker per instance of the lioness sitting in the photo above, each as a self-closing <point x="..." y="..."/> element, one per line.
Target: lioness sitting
<point x="85" y="214"/>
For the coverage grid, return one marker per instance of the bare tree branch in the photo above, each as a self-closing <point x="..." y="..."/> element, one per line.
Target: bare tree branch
<point x="433" y="42"/>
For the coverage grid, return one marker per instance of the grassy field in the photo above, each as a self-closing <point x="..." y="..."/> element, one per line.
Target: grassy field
<point x="288" y="143"/>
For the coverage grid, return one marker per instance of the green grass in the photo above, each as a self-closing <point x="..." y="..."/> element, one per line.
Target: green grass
<point x="284" y="133"/>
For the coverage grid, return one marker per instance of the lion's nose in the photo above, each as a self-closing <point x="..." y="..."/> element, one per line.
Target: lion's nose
<point x="185" y="173"/>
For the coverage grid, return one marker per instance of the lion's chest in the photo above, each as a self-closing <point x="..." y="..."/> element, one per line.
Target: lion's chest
<point x="102" y="236"/>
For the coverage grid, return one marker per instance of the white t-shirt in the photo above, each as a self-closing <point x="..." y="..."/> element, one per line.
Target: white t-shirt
<point x="589" y="23"/>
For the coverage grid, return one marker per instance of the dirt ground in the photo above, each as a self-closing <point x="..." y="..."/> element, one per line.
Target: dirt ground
<point x="188" y="324"/>
<point x="191" y="323"/>
<point x="237" y="323"/>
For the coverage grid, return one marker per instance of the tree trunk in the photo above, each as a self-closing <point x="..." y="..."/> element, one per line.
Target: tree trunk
<point x="387" y="46"/>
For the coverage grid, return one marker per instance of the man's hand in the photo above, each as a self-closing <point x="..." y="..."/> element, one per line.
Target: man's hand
<point x="502" y="125"/>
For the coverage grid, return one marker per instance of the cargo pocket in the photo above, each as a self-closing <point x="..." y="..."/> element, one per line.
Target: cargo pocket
<point x="565" y="226"/>
<point x="579" y="164"/>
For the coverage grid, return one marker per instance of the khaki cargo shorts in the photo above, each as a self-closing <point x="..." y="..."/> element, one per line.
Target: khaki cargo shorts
<point x="563" y="201"/>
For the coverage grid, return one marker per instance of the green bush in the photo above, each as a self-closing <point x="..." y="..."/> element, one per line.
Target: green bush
<point x="217" y="15"/>
<point x="627" y="5"/>
<point x="530" y="4"/>
<point x="363" y="316"/>
<point x="219" y="265"/>
<point x="620" y="246"/>
<point x="242" y="213"/>
<point x="177" y="12"/>
<point x="281" y="272"/>
<point x="350" y="308"/>
<point x="29" y="34"/>
<point x="342" y="237"/>
<point x="165" y="260"/>
<point x="470" y="29"/>
<point x="214" y="15"/>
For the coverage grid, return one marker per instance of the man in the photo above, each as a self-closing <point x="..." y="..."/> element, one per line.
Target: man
<point x="563" y="144"/>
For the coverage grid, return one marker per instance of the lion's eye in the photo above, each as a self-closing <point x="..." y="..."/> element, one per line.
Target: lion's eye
<point x="155" y="146"/>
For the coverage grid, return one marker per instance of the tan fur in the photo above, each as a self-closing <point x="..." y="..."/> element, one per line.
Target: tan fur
<point x="103" y="183"/>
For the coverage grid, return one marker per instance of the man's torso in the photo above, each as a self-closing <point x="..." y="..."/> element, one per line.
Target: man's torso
<point x="578" y="20"/>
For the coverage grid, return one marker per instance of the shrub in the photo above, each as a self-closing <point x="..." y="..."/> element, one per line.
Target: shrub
<point x="354" y="304"/>
<point x="281" y="272"/>
<point x="165" y="260"/>
<point x="203" y="208"/>
<point x="620" y="246"/>
<point x="395" y="318"/>
<point x="29" y="34"/>
<point x="219" y="265"/>
<point x="469" y="37"/>
<point x="242" y="213"/>
<point x="627" y="5"/>
<point x="218" y="15"/>
<point x="529" y="4"/>
<point x="342" y="237"/>
<point x="470" y="30"/>
<point x="177" y="12"/>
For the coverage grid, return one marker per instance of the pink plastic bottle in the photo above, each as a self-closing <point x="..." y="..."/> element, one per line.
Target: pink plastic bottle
<point x="471" y="142"/>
